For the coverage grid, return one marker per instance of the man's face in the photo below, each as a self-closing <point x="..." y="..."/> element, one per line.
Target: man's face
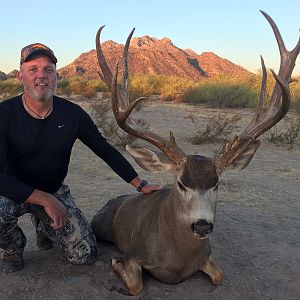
<point x="39" y="78"/>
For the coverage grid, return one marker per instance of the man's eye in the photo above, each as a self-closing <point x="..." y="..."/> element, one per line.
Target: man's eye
<point x="50" y="70"/>
<point x="33" y="69"/>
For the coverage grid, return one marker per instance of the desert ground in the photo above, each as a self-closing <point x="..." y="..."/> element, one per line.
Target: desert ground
<point x="256" y="239"/>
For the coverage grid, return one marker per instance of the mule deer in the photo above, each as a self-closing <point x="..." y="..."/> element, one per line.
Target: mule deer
<point x="167" y="232"/>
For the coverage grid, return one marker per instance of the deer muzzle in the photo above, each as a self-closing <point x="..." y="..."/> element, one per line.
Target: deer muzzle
<point x="202" y="228"/>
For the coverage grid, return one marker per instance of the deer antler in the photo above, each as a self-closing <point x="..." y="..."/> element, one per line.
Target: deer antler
<point x="261" y="122"/>
<point x="122" y="108"/>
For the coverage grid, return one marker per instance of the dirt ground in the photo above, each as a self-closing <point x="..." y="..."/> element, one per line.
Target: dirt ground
<point x="256" y="239"/>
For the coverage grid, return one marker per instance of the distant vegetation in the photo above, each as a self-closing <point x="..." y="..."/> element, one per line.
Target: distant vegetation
<point x="78" y="86"/>
<point x="222" y="94"/>
<point x="286" y="132"/>
<point x="218" y="92"/>
<point x="217" y="128"/>
<point x="10" y="88"/>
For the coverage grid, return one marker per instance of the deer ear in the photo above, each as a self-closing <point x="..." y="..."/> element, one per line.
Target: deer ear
<point x="149" y="161"/>
<point x="245" y="157"/>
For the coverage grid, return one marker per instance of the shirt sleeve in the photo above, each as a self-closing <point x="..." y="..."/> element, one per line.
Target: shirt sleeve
<point x="91" y="137"/>
<point x="10" y="186"/>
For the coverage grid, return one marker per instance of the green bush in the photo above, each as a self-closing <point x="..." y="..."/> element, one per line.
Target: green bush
<point x="78" y="86"/>
<point x="174" y="89"/>
<point x="168" y="87"/>
<point x="10" y="88"/>
<point x="296" y="96"/>
<point x="109" y="126"/>
<point x="286" y="132"/>
<point x="141" y="85"/>
<point x="221" y="94"/>
<point x="217" y="128"/>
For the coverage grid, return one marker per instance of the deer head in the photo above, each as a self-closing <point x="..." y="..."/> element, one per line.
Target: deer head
<point x="197" y="177"/>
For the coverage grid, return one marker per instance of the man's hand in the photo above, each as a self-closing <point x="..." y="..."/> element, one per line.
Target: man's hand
<point x="148" y="188"/>
<point x="57" y="212"/>
<point x="54" y="208"/>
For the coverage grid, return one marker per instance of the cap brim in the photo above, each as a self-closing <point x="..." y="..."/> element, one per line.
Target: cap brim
<point x="41" y="51"/>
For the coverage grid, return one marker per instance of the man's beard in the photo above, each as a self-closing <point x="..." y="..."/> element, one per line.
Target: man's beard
<point x="38" y="95"/>
<point x="41" y="97"/>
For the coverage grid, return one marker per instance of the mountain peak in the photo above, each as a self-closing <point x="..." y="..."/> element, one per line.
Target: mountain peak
<point x="166" y="40"/>
<point x="142" y="41"/>
<point x="149" y="55"/>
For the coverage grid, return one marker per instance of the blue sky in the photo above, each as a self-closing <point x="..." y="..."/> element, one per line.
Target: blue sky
<point x="234" y="30"/>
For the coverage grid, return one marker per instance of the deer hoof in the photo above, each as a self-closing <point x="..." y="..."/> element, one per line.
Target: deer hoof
<point x="218" y="278"/>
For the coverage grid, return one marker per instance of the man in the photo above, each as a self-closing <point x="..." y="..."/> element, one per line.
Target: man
<point x="37" y="133"/>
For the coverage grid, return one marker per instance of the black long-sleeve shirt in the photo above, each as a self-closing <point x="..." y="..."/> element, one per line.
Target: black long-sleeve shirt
<point x="35" y="154"/>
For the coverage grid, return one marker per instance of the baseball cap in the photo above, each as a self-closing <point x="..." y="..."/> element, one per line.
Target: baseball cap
<point x="36" y="48"/>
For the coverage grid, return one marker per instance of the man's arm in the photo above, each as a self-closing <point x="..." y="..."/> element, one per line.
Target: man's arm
<point x="10" y="186"/>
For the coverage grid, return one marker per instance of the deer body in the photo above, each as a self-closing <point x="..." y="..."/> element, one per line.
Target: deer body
<point x="151" y="230"/>
<point x="167" y="232"/>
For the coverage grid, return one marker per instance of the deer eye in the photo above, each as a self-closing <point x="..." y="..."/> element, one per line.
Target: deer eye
<point x="216" y="187"/>
<point x="181" y="186"/>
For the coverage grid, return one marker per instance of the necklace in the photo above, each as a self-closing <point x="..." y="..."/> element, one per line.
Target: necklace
<point x="41" y="117"/>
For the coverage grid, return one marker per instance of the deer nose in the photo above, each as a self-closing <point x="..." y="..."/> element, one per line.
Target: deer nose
<point x="202" y="227"/>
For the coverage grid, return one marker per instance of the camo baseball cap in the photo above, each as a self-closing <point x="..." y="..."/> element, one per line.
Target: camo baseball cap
<point x="37" y="48"/>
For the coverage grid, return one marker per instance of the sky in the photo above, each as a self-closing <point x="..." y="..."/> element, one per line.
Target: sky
<point x="233" y="29"/>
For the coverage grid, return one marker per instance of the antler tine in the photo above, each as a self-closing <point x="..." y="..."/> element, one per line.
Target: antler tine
<point x="125" y="60"/>
<point x="106" y="75"/>
<point x="278" y="107"/>
<point x="268" y="123"/>
<point x="122" y="109"/>
<point x="259" y="123"/>
<point x="120" y="102"/>
<point x="287" y="64"/>
<point x="262" y="98"/>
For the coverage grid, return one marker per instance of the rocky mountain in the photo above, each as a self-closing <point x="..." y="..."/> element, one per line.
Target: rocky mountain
<point x="12" y="74"/>
<point x="148" y="55"/>
<point x="2" y="76"/>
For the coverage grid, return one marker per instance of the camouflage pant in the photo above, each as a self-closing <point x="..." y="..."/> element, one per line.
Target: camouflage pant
<point x="75" y="238"/>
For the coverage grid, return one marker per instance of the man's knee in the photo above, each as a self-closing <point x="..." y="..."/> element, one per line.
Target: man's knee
<point x="9" y="210"/>
<point x="11" y="236"/>
<point x="82" y="253"/>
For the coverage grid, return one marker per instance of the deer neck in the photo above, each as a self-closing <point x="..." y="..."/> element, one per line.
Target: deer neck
<point x="174" y="211"/>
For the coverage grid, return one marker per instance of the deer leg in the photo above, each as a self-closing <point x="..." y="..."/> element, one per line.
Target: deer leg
<point x="213" y="271"/>
<point x="130" y="272"/>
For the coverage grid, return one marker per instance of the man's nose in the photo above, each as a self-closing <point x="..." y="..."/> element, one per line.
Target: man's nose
<point x="42" y="73"/>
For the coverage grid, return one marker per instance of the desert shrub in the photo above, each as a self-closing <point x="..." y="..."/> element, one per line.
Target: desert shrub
<point x="296" y="96"/>
<point x="10" y="88"/>
<point x="174" y="89"/>
<point x="218" y="127"/>
<point x="63" y="87"/>
<point x="101" y="113"/>
<point x="270" y="83"/>
<point x="78" y="86"/>
<point x="144" y="85"/>
<point x="296" y="104"/>
<point x="286" y="132"/>
<point x="100" y="110"/>
<point x="168" y="87"/>
<point x="117" y="136"/>
<point x="221" y="94"/>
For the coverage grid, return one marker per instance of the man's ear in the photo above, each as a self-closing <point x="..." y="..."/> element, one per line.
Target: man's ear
<point x="20" y="75"/>
<point x="149" y="161"/>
